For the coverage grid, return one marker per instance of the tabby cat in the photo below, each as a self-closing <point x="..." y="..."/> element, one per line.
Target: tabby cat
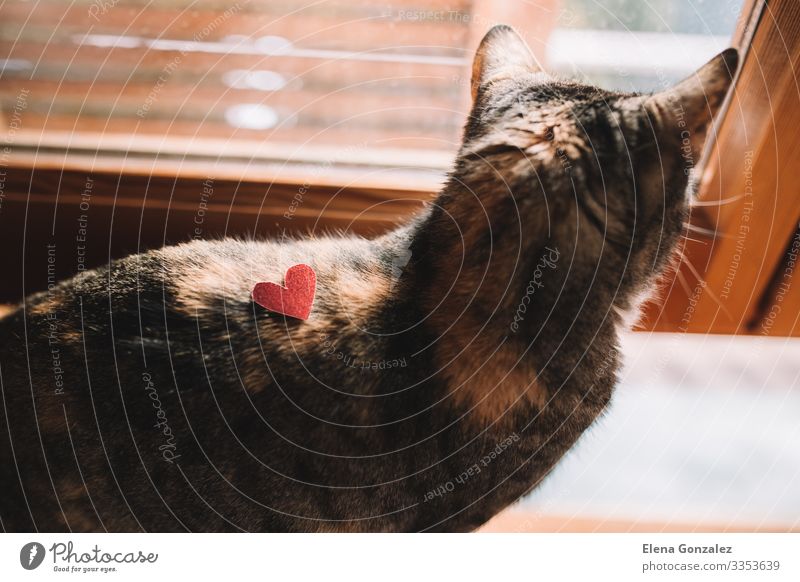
<point x="443" y="371"/>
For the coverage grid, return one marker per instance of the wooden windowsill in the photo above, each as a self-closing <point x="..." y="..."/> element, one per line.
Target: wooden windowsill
<point x="379" y="168"/>
<point x="520" y="521"/>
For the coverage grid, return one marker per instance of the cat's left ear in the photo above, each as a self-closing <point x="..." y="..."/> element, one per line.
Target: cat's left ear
<point x="501" y="54"/>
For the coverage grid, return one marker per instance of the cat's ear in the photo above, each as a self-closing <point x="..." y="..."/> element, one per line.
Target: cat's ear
<point x="501" y="54"/>
<point x="690" y="107"/>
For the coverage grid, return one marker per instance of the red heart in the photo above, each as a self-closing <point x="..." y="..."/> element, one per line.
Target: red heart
<point x="295" y="299"/>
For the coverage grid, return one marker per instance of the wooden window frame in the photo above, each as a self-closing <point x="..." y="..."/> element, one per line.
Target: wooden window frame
<point x="743" y="279"/>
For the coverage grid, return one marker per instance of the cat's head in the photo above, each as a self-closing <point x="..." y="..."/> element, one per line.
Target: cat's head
<point x="602" y="175"/>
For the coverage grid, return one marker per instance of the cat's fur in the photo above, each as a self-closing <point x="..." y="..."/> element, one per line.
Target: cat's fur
<point x="154" y="395"/>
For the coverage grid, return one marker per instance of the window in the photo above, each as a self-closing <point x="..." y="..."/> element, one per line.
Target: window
<point x="324" y="83"/>
<point x="359" y="106"/>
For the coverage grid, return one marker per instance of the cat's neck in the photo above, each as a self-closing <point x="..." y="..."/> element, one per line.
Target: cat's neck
<point x="477" y="254"/>
<point x="507" y="306"/>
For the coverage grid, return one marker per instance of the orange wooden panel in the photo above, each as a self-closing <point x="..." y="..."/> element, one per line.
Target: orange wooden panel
<point x="752" y="169"/>
<point x="779" y="313"/>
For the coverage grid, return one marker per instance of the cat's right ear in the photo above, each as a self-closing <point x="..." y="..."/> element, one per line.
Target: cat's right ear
<point x="501" y="54"/>
<point x="690" y="107"/>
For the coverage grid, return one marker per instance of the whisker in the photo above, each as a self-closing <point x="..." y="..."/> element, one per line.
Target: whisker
<point x="713" y="295"/>
<point x="688" y="263"/>
<point x="679" y="252"/>
<point x="718" y="202"/>
<point x="684" y="283"/>
<point x="705" y="231"/>
<point x="697" y="240"/>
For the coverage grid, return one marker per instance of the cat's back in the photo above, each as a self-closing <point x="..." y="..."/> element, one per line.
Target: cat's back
<point x="126" y="384"/>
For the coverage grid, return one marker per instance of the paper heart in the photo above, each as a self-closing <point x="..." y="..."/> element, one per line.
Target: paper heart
<point x="293" y="300"/>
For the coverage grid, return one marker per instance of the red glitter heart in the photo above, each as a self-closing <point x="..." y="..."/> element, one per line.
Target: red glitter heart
<point x="295" y="299"/>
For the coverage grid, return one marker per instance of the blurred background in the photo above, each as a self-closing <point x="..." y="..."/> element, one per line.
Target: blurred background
<point x="701" y="436"/>
<point x="297" y="76"/>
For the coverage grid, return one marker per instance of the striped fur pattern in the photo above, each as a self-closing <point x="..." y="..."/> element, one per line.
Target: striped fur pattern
<point x="446" y="366"/>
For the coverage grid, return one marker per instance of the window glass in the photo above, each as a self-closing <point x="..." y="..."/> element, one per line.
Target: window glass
<point x="384" y="83"/>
